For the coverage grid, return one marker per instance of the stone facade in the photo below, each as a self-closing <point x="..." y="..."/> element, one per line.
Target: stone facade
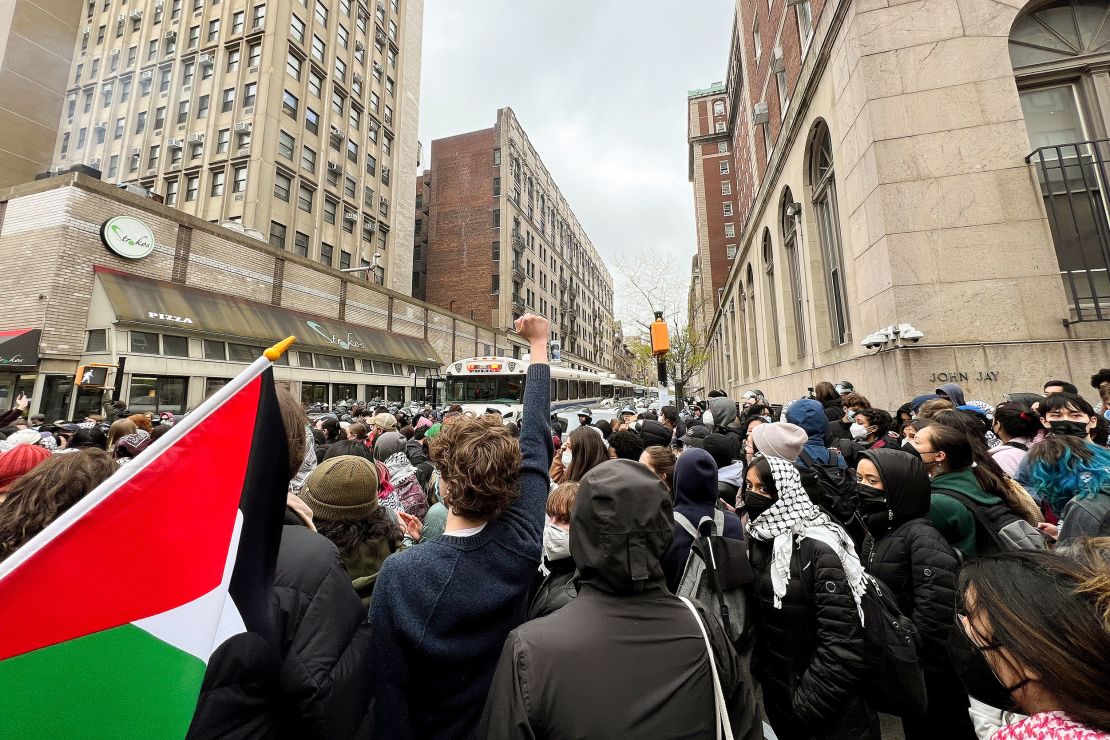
<point x="51" y="246"/>
<point x="937" y="219"/>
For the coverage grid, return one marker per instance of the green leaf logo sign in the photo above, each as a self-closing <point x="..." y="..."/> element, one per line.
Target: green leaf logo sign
<point x="127" y="236"/>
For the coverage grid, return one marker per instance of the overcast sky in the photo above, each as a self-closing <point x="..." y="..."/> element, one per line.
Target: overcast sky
<point x="600" y="87"/>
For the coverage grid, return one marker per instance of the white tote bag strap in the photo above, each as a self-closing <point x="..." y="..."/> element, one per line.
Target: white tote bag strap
<point x="718" y="693"/>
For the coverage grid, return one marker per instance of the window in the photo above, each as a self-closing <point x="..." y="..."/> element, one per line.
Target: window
<point x="304" y="198"/>
<point x="289" y="104"/>
<point x="171" y="191"/>
<point x="175" y="346"/>
<point x="293" y="66"/>
<point x="720" y="127"/>
<point x="495" y="284"/>
<point x="237" y="20"/>
<point x="191" y="185"/>
<point x="188" y="72"/>
<point x="124" y="89"/>
<point x="326" y="253"/>
<point x="96" y="340"/>
<point x="730" y="251"/>
<point x="118" y="133"/>
<point x="355" y="118"/>
<point x="344" y="260"/>
<point x="296" y="28"/>
<point x="342" y="37"/>
<point x="340" y="69"/>
<point x="315" y="84"/>
<point x="497" y="186"/>
<point x="194" y="37"/>
<point x="724" y="168"/>
<point x="352" y="150"/>
<point x="202" y="106"/>
<point x="227" y="100"/>
<point x="784" y="93"/>
<point x="804" y="12"/>
<point x="196" y="149"/>
<point x="496" y="218"/>
<point x="329" y="210"/>
<point x="282" y="185"/>
<point x="258" y="18"/>
<point x="213" y="29"/>
<point x="254" y="55"/>
<point x="496" y="250"/>
<point x="788" y="212"/>
<point x="728" y="208"/>
<point x="308" y="159"/>
<point x="318" y="48"/>
<point x="183" y="111"/>
<point x="242" y="352"/>
<point x="113" y="165"/>
<point x="726" y="187"/>
<point x="718" y="107"/>
<point x="223" y="139"/>
<point x="337" y="103"/>
<point x="250" y="93"/>
<point x="277" y="235"/>
<point x="730" y="231"/>
<point x="144" y="342"/>
<point x="311" y="120"/>
<point x="771" y="293"/>
<point x="159" y="118"/>
<point x="300" y="244"/>
<point x="371" y="164"/>
<point x="757" y="43"/>
<point x="823" y="182"/>
<point x="233" y="59"/>
<point x="214" y="350"/>
<point x="349" y="186"/>
<point x="240" y="185"/>
<point x="286" y="144"/>
<point x="217" y="183"/>
<point x="321" y="13"/>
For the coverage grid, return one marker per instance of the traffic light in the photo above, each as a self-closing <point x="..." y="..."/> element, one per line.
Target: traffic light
<point x="92" y="376"/>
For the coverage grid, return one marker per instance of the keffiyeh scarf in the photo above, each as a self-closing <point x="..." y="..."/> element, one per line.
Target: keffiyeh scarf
<point x="793" y="517"/>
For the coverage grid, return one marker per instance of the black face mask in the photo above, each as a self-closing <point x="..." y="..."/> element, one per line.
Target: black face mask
<point x="1069" y="428"/>
<point x="755" y="504"/>
<point x="975" y="672"/>
<point x="874" y="508"/>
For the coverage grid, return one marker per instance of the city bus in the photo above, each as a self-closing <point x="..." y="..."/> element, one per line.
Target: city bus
<point x="481" y="384"/>
<point x="615" y="390"/>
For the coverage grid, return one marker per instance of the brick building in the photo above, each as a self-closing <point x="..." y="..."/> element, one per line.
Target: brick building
<point x="287" y="118"/>
<point x="504" y="241"/>
<point x="923" y="164"/>
<point x="188" y="315"/>
<point x="420" y="236"/>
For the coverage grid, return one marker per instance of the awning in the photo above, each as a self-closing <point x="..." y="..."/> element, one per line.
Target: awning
<point x="166" y="305"/>
<point x="19" y="349"/>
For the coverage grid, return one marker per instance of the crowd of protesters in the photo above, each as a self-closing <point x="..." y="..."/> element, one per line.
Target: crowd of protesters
<point x="728" y="567"/>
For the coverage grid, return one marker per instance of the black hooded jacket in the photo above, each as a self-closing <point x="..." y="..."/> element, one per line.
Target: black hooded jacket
<point x="907" y="553"/>
<point x="625" y="658"/>
<point x="695" y="496"/>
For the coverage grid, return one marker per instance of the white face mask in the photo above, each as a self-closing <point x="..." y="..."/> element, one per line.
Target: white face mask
<point x="556" y="542"/>
<point x="566" y="458"/>
<point x="858" y="431"/>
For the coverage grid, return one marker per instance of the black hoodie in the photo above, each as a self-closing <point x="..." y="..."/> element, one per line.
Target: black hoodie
<point x="626" y="657"/>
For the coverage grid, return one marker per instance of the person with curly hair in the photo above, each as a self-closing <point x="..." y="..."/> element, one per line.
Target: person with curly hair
<point x="1100" y="381"/>
<point x="441" y="611"/>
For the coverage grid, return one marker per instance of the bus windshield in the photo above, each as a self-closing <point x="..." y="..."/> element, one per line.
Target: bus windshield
<point x="504" y="389"/>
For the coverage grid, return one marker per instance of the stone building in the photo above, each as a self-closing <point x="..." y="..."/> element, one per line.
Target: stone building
<point x="504" y="241"/>
<point x="939" y="164"/>
<point x="288" y="118"/>
<point x="177" y="305"/>
<point x="420" y="235"/>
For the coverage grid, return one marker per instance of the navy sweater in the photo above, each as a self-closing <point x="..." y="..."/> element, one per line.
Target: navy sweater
<point x="441" y="611"/>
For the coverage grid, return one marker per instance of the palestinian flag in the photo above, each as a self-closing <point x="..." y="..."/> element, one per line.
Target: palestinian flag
<point x="109" y="616"/>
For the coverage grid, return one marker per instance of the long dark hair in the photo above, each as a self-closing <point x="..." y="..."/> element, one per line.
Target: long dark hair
<point x="991" y="477"/>
<point x="1049" y="616"/>
<point x="348" y="536"/>
<point x="1017" y="419"/>
<point x="587" y="451"/>
<point x="825" y="392"/>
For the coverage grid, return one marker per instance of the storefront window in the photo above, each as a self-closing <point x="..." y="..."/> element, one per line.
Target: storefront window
<point x="157" y="393"/>
<point x="89" y="401"/>
<point x="313" y="392"/>
<point x="367" y="367"/>
<point x="243" y="352"/>
<point x="96" y="340"/>
<point x="375" y="393"/>
<point x="214" y="350"/>
<point x="329" y="362"/>
<point x="304" y="359"/>
<point x="144" y="342"/>
<point x="395" y="393"/>
<point x="56" y="391"/>
<point x="211" y="385"/>
<point x="344" y="392"/>
<point x="349" y="363"/>
<point x="175" y="346"/>
<point x="12" y="385"/>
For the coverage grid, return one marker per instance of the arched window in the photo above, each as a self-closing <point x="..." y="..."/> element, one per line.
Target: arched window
<point x="823" y="184"/>
<point x="789" y="213"/>
<point x="1059" y="51"/>
<point x="752" y="324"/>
<point x="772" y="297"/>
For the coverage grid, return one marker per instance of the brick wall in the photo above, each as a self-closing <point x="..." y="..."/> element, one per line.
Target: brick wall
<point x="460" y="257"/>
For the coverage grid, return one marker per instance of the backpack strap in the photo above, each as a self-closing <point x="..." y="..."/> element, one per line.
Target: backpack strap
<point x="1016" y="446"/>
<point x="686" y="524"/>
<point x="982" y="523"/>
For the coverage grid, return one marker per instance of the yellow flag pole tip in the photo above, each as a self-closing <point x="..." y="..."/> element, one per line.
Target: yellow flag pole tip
<point x="279" y="349"/>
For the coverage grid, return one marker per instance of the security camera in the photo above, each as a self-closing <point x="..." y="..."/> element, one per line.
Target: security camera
<point x="910" y="334"/>
<point x="871" y="341"/>
<point x="377" y="255"/>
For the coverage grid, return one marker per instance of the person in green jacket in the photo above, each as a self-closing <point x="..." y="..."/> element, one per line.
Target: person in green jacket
<point x="949" y="458"/>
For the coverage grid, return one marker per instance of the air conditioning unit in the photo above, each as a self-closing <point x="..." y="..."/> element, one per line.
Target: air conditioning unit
<point x="94" y="162"/>
<point x="356" y="78"/>
<point x="380" y="37"/>
<point x="371" y="225"/>
<point x="206" y="59"/>
<point x="359" y="46"/>
<point x="350" y="216"/>
<point x="136" y="15"/>
<point x="248" y="110"/>
<point x="378" y="67"/>
<point x="381" y="5"/>
<point x="778" y="62"/>
<point x="760" y="114"/>
<point x="334" y="167"/>
<point x="136" y="151"/>
<point x="243" y="127"/>
<point x="115" y="54"/>
<point x="147" y="75"/>
<point x="102" y="124"/>
<point x="72" y="97"/>
<point x="374" y="125"/>
<point x="88" y="30"/>
<point x="171" y="34"/>
<point x="796" y="2"/>
<point x="159" y="4"/>
<point x="385" y="173"/>
<point x="121" y="18"/>
<point x="175" y="143"/>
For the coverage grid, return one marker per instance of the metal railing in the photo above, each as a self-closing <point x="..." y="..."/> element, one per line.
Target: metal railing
<point x="1075" y="184"/>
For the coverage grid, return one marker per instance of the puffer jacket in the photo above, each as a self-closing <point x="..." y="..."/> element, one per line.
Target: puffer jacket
<point x="318" y="685"/>
<point x="625" y="658"/>
<point x="809" y="654"/>
<point x="555" y="590"/>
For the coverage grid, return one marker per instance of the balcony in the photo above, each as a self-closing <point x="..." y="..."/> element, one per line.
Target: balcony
<point x="1075" y="185"/>
<point x="518" y="242"/>
<point x="518" y="303"/>
<point x="518" y="271"/>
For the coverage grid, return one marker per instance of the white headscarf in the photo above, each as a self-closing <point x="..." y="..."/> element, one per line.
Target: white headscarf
<point x="793" y="517"/>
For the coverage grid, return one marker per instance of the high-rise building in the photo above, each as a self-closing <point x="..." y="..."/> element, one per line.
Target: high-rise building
<point x="504" y="242"/>
<point x="920" y="198"/>
<point x="36" y="45"/>
<point x="294" y="119"/>
<point x="420" y="235"/>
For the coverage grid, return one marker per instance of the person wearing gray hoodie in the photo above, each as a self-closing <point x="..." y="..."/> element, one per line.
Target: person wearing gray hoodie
<point x="724" y="415"/>
<point x="953" y="393"/>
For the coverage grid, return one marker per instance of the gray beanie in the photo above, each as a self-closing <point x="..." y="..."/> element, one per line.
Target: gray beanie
<point x="780" y="439"/>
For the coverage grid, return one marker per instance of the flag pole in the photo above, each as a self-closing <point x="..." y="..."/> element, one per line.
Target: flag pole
<point x="160" y="445"/>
